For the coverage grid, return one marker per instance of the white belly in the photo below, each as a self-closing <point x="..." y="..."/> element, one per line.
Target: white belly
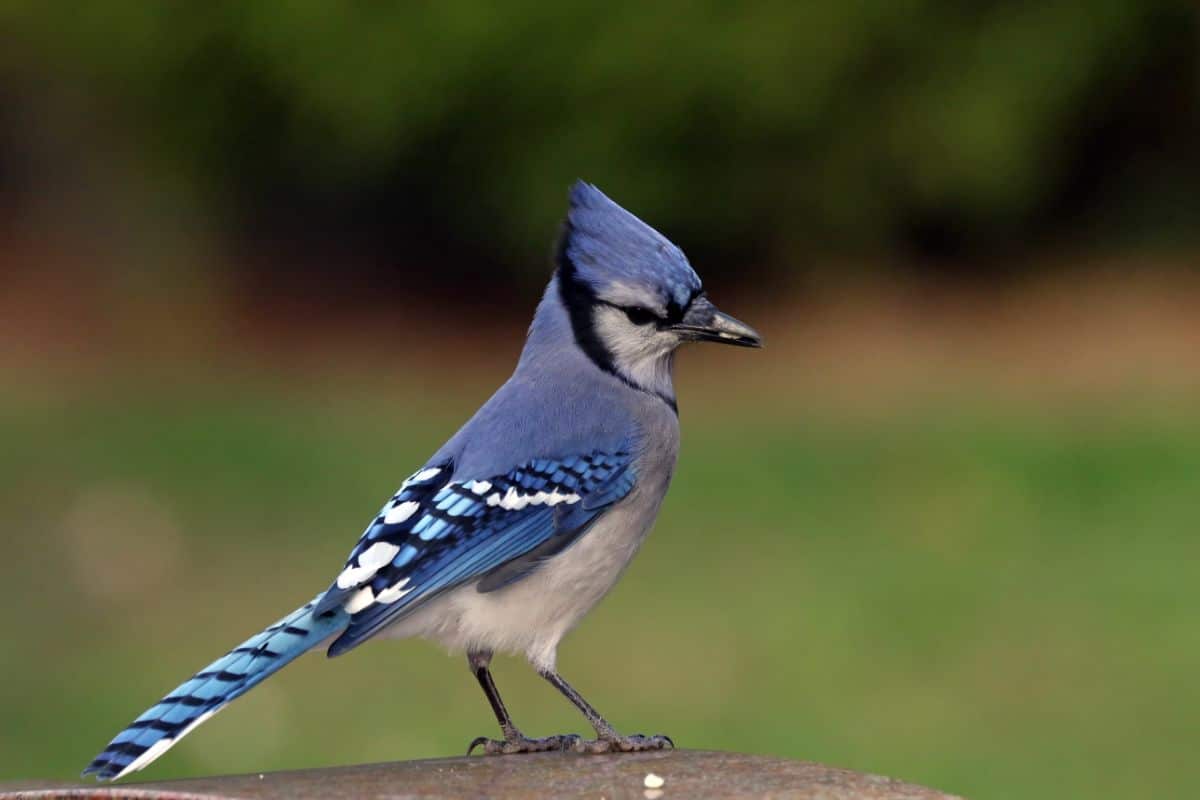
<point x="532" y="615"/>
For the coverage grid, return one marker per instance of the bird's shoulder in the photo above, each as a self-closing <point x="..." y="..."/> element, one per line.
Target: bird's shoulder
<point x="532" y="416"/>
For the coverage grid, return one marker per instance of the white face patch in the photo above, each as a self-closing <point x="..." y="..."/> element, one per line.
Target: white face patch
<point x="394" y="592"/>
<point x="370" y="561"/>
<point x="512" y="500"/>
<point x="626" y="294"/>
<point x="359" y="600"/>
<point x="401" y="512"/>
<point x="642" y="353"/>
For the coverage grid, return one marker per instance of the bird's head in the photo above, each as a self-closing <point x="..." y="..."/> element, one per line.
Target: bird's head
<point x="631" y="294"/>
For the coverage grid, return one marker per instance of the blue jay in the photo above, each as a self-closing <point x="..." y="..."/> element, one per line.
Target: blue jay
<point x="527" y="516"/>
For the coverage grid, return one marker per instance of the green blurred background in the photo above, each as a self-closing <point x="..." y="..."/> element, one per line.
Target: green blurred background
<point x="257" y="261"/>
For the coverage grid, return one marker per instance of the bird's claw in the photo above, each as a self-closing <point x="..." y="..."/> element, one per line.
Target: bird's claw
<point x="635" y="743"/>
<point x="523" y="744"/>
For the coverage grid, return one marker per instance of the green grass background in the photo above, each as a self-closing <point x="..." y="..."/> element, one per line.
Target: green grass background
<point x="996" y="600"/>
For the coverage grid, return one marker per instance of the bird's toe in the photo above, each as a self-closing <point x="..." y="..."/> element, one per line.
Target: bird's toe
<point x="634" y="743"/>
<point x="523" y="744"/>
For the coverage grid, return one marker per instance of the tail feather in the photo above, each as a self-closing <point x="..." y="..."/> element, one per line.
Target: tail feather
<point x="208" y="691"/>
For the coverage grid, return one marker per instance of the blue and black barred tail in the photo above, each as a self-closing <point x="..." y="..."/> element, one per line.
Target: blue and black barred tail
<point x="208" y="691"/>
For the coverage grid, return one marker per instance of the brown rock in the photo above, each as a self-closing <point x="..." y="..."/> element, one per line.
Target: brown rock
<point x="686" y="774"/>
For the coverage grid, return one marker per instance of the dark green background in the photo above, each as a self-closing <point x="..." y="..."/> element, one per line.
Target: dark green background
<point x="756" y="131"/>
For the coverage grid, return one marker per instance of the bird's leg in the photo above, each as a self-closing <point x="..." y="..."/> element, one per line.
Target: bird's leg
<point x="514" y="741"/>
<point x="607" y="739"/>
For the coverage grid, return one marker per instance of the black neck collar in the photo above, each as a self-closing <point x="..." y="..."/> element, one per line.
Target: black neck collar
<point x="580" y="301"/>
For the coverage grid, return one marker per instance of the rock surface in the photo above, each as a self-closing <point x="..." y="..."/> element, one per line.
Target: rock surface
<point x="691" y="774"/>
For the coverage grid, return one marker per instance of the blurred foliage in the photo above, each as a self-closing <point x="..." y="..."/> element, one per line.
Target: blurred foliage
<point x="996" y="602"/>
<point x="760" y="127"/>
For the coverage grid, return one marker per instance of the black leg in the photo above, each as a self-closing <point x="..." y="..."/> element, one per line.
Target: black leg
<point x="479" y="665"/>
<point x="514" y="741"/>
<point x="607" y="739"/>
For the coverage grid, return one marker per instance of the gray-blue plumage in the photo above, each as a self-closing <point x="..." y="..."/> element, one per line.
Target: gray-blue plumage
<point x="527" y="516"/>
<point x="607" y="245"/>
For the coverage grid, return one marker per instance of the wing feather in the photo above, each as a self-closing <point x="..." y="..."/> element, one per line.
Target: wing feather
<point x="436" y="533"/>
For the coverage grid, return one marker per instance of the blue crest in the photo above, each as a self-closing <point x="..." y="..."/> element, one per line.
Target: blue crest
<point x="606" y="245"/>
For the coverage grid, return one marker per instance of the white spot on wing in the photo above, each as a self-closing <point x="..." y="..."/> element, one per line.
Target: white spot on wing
<point x="424" y="475"/>
<point x="515" y="501"/>
<point x="394" y="592"/>
<point x="401" y="512"/>
<point x="369" y="562"/>
<point x="556" y="498"/>
<point x="359" y="600"/>
<point x="481" y="487"/>
<point x="353" y="576"/>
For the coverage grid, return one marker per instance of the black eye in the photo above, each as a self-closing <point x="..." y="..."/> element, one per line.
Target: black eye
<point x="640" y="316"/>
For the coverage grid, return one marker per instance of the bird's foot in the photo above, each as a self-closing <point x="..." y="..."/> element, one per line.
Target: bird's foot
<point x="519" y="743"/>
<point x="616" y="743"/>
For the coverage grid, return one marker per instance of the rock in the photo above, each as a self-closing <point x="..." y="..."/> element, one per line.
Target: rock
<point x="690" y="774"/>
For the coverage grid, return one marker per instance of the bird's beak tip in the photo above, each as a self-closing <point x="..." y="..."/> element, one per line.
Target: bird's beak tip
<point x="708" y="323"/>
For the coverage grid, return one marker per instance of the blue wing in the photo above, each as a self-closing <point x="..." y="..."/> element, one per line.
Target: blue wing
<point x="436" y="533"/>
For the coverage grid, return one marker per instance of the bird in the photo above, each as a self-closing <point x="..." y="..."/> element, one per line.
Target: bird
<point x="527" y="516"/>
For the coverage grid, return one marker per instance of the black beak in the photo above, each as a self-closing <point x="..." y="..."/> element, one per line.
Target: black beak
<point x="703" y="322"/>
